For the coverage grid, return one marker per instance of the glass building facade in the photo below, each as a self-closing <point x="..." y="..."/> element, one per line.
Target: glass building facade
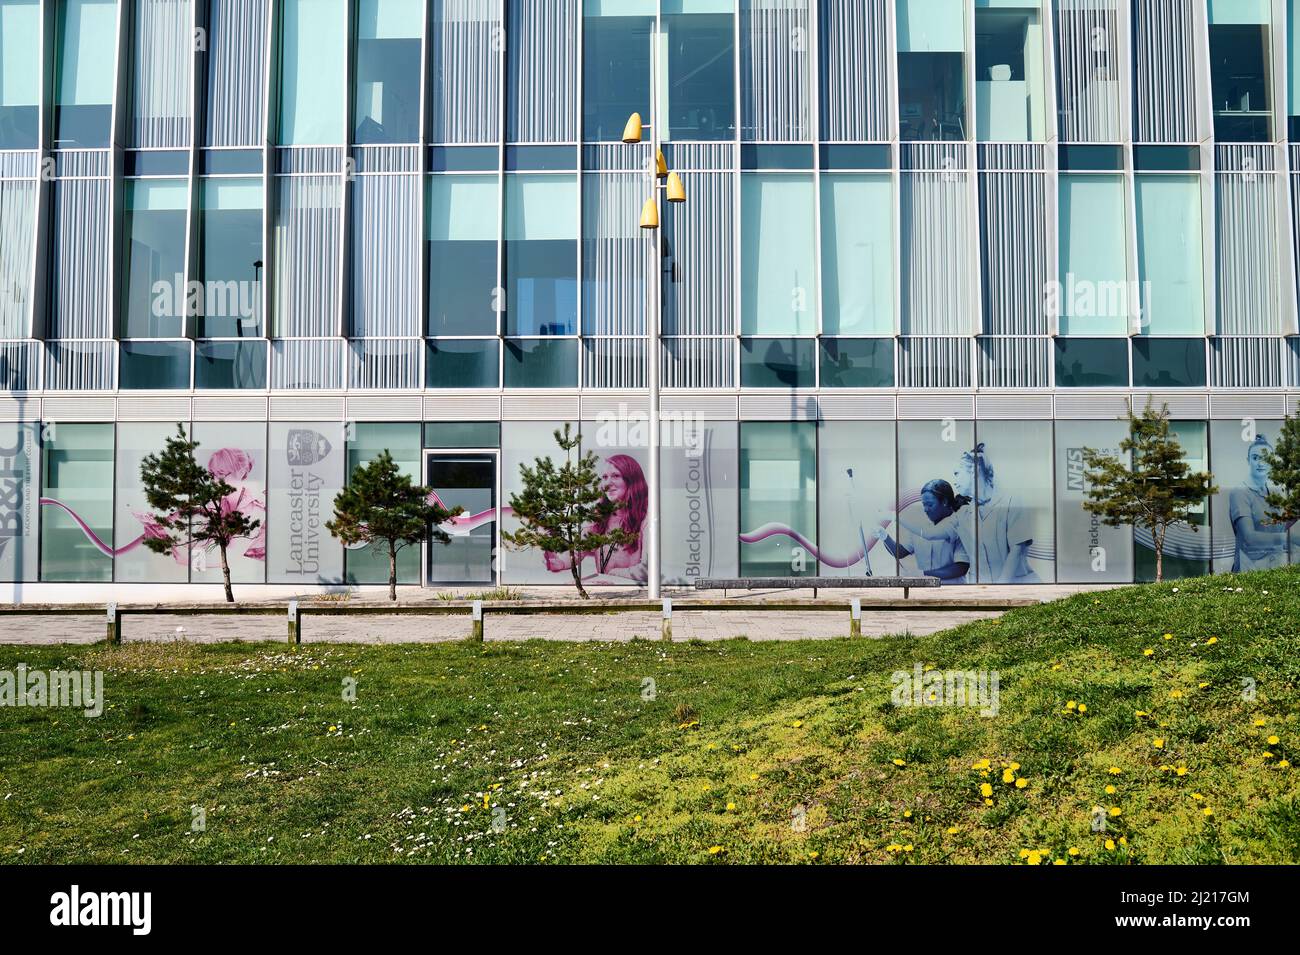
<point x="927" y="244"/>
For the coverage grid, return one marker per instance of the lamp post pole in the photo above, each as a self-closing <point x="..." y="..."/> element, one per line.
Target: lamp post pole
<point x="652" y="317"/>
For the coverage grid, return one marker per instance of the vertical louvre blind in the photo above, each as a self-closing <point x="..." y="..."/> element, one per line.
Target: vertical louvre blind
<point x="1164" y="69"/>
<point x="386" y="261"/>
<point x="1014" y="362"/>
<point x="937" y="232"/>
<point x="236" y="44"/>
<point x="1246" y="263"/>
<point x="81" y="283"/>
<point x="1088" y="71"/>
<point x="307" y="363"/>
<point x="774" y="70"/>
<point x="934" y="363"/>
<point x="17" y="235"/>
<point x="1013" y="247"/>
<point x="308" y="232"/>
<point x="543" y="78"/>
<point x="699" y="363"/>
<point x="160" y="91"/>
<point x="79" y="366"/>
<point x="384" y="363"/>
<point x="856" y="53"/>
<point x="616" y="257"/>
<point x="465" y="71"/>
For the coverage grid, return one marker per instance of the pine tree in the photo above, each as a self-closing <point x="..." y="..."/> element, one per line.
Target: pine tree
<point x="1284" y="472"/>
<point x="566" y="511"/>
<point x="1155" y="489"/>
<point x="383" y="506"/>
<point x="190" y="505"/>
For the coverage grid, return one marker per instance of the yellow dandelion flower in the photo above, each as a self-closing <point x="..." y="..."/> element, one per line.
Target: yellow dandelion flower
<point x="1034" y="859"/>
<point x="907" y="848"/>
<point x="731" y="807"/>
<point x="988" y="802"/>
<point x="1140" y="713"/>
<point x="1070" y="704"/>
<point x="814" y="854"/>
<point x="1273" y="741"/>
<point x="1181" y="770"/>
<point x="1116" y="811"/>
<point x="1123" y="840"/>
<point x="1013" y="766"/>
<point x="1114" y="770"/>
<point x="636" y="818"/>
<point x="1208" y="811"/>
<point x="900" y="762"/>
<point x="1158" y="742"/>
<point x="1201" y="686"/>
<point x="1169" y="636"/>
<point x="1111" y="790"/>
<point x="1058" y="862"/>
<point x="1083" y="707"/>
<point x="1110" y="845"/>
<point x="986" y="790"/>
<point x="1284" y="764"/>
<point x="907" y="814"/>
<point x="1197" y="796"/>
<point x="1008" y="776"/>
<point x="1175" y="694"/>
<point x="1267" y="754"/>
<point x="1074" y="851"/>
<point x="982" y="764"/>
<point x="953" y="830"/>
<point x="797" y="723"/>
<point x="1212" y="641"/>
<point x="753" y="775"/>
<point x="1148" y="652"/>
<point x="1024" y="853"/>
<point x="1261" y="722"/>
<point x="714" y="850"/>
<point x="1021" y="783"/>
<point x="893" y="847"/>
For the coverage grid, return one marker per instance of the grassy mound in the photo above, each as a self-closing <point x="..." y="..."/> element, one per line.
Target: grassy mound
<point x="1154" y="724"/>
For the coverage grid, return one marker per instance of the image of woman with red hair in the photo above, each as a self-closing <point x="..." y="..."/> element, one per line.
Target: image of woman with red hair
<point x="625" y="485"/>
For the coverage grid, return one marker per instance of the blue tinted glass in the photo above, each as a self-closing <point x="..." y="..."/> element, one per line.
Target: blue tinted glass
<point x="1092" y="362"/>
<point x="541" y="363"/>
<point x="462" y="255"/>
<point x="231" y="162"/>
<point x="227" y="365"/>
<point x="463" y="158"/>
<point x="387" y="94"/>
<point x="857" y="363"/>
<point x="1169" y="362"/>
<point x="778" y="362"/>
<point x="872" y="156"/>
<point x="1082" y="158"/>
<point x="615" y="74"/>
<point x="161" y="162"/>
<point x="1175" y="158"/>
<point x="701" y="76"/>
<point x="780" y="156"/>
<point x="154" y="365"/>
<point x="462" y="434"/>
<point x="559" y="158"/>
<point x="461" y="364"/>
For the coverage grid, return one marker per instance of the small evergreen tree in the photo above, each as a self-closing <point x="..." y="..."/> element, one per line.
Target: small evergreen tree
<point x="1284" y="472"/>
<point x="383" y="506"/>
<point x="1155" y="489"/>
<point x="191" y="505"/>
<point x="566" y="510"/>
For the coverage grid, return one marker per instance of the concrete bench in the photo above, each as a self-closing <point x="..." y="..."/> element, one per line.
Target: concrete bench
<point x="803" y="583"/>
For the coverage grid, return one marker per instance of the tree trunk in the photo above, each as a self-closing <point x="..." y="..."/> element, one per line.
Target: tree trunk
<point x="1160" y="554"/>
<point x="577" y="574"/>
<point x="225" y="573"/>
<point x="392" y="574"/>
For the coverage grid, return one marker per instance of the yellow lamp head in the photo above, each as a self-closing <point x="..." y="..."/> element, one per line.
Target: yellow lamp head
<point x="650" y="214"/>
<point x="661" y="166"/>
<point x="632" y="131"/>
<point x="676" y="191"/>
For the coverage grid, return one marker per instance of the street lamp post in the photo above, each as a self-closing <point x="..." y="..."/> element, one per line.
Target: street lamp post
<point x="673" y="192"/>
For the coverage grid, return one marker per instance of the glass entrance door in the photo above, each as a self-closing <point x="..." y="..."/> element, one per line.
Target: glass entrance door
<point x="467" y="480"/>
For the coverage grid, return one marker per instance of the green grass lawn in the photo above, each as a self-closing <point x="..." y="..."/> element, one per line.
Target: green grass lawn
<point x="776" y="752"/>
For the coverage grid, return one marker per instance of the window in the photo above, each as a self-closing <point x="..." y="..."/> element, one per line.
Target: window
<point x="1169" y="254"/>
<point x="464" y="363"/>
<point x="1087" y="551"/>
<point x="369" y="564"/>
<point x="462" y="242"/>
<point x="932" y="70"/>
<point x="78" y="480"/>
<point x="1092" y="362"/>
<point x="153" y="288"/>
<point x="132" y="515"/>
<point x="387" y="98"/>
<point x="778" y="363"/>
<point x="857" y="363"/>
<point x="86" y="74"/>
<point x="857" y="226"/>
<point x="1094" y="286"/>
<point x="1008" y="73"/>
<point x="541" y="363"/>
<point x="778" y="292"/>
<point x="1240" y="71"/>
<point x="778" y="493"/>
<point x="701" y="63"/>
<point x="1169" y="362"/>
<point x="855" y="490"/>
<point x="615" y="66"/>
<point x="154" y="366"/>
<point x="230" y="258"/>
<point x="20" y="73"/>
<point x="312" y="101"/>
<point x="228" y="365"/>
<point x="541" y="254"/>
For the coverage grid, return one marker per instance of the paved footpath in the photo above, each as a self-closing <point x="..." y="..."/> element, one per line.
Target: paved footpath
<point x="23" y="629"/>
